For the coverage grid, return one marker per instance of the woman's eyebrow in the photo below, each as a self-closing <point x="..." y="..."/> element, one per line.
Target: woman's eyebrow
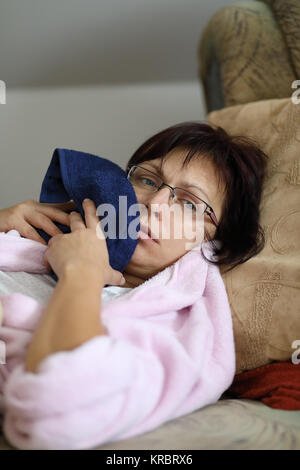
<point x="184" y="183"/>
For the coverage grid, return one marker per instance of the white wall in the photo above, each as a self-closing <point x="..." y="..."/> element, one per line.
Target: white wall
<point x="140" y="56"/>
<point x="76" y="42"/>
<point x="109" y="121"/>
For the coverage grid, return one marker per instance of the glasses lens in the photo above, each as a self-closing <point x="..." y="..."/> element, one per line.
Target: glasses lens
<point x="189" y="202"/>
<point x="144" y="180"/>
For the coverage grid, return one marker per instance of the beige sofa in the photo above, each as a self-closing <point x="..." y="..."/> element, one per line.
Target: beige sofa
<point x="249" y="64"/>
<point x="264" y="292"/>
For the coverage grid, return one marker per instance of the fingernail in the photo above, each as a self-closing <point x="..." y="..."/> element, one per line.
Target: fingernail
<point x="85" y="200"/>
<point x="123" y="280"/>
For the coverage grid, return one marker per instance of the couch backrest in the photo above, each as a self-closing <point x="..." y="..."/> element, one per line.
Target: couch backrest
<point x="264" y="292"/>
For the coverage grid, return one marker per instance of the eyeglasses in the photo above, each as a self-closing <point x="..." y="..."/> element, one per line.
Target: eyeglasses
<point x="146" y="181"/>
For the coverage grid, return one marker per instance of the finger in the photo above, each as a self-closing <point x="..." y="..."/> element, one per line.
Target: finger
<point x="90" y="215"/>
<point x="99" y="232"/>
<point x="53" y="213"/>
<point x="116" y="278"/>
<point x="76" y="222"/>
<point x="27" y="231"/>
<point x="40" y="220"/>
<point x="53" y="239"/>
<point x="64" y="206"/>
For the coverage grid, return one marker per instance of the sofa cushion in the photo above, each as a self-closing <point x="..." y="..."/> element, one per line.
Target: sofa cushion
<point x="287" y="14"/>
<point x="264" y="292"/>
<point x="234" y="48"/>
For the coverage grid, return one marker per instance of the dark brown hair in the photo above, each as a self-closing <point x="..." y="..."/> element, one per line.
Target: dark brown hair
<point x="240" y="164"/>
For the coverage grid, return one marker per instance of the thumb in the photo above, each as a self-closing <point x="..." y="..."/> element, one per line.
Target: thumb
<point x="46" y="262"/>
<point x="54" y="239"/>
<point x="116" y="278"/>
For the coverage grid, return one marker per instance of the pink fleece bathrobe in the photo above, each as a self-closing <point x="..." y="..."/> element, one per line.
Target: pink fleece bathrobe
<point x="169" y="351"/>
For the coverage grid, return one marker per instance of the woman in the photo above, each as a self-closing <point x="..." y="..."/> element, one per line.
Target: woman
<point x="221" y="172"/>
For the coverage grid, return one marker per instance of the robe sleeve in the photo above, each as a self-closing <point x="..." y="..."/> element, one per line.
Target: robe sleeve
<point x="139" y="376"/>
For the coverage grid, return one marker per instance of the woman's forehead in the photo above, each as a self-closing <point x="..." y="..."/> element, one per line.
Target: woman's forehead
<point x="196" y="167"/>
<point x="199" y="170"/>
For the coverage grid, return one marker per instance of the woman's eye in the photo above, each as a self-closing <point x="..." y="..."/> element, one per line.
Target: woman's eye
<point x="148" y="182"/>
<point x="189" y="204"/>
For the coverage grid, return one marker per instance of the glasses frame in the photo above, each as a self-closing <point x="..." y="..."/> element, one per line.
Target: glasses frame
<point x="208" y="210"/>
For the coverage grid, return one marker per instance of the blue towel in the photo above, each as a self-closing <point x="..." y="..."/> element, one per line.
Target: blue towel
<point x="74" y="175"/>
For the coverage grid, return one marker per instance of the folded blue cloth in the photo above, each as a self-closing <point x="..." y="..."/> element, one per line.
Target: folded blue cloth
<point x="74" y="175"/>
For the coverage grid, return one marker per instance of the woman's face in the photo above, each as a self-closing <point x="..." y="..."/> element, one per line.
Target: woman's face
<point x="152" y="256"/>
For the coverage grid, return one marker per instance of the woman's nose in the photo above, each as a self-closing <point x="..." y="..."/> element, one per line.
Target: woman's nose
<point x="162" y="196"/>
<point x="158" y="202"/>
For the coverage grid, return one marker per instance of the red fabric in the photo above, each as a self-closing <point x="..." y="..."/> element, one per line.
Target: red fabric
<point x="276" y="385"/>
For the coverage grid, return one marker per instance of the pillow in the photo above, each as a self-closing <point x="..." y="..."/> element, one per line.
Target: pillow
<point x="264" y="292"/>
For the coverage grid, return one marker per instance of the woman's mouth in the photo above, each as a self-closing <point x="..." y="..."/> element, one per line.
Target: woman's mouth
<point x="145" y="235"/>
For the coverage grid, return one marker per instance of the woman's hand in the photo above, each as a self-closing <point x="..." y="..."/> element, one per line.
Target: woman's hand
<point x="85" y="247"/>
<point x="24" y="216"/>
